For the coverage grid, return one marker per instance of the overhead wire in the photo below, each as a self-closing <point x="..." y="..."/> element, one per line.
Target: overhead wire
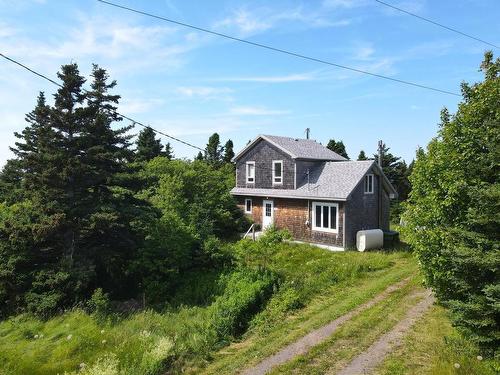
<point x="435" y="23"/>
<point x="275" y="49"/>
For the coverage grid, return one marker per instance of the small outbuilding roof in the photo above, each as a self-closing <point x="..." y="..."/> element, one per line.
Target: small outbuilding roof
<point x="328" y="181"/>
<point x="306" y="149"/>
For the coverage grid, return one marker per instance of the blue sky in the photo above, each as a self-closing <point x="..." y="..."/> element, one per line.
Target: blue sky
<point x="190" y="84"/>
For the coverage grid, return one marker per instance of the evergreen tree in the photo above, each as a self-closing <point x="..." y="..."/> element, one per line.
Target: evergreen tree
<point x="337" y="147"/>
<point x="200" y="156"/>
<point x="396" y="172"/>
<point x="452" y="214"/>
<point x="213" y="151"/>
<point x="148" y="147"/>
<point x="228" y="152"/>
<point x="362" y="155"/>
<point x="168" y="153"/>
<point x="77" y="230"/>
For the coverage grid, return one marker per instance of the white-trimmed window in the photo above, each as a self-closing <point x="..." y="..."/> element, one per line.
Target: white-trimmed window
<point x="325" y="217"/>
<point x="250" y="172"/>
<point x="277" y="172"/>
<point x="369" y="184"/>
<point x="248" y="205"/>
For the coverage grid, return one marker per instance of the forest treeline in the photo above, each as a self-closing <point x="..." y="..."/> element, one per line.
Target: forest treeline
<point x="83" y="208"/>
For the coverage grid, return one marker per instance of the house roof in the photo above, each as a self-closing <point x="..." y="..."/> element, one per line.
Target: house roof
<point x="327" y="181"/>
<point x="296" y="148"/>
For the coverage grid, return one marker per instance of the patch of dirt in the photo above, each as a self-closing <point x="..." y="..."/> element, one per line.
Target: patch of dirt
<point x="366" y="362"/>
<point x="315" y="337"/>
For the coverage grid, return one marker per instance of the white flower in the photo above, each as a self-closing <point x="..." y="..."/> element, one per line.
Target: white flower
<point x="102" y="331"/>
<point x="82" y="365"/>
<point x="69" y="337"/>
<point x="479" y="357"/>
<point x="103" y="342"/>
<point x="41" y="335"/>
<point x="457" y="365"/>
<point x="36" y="336"/>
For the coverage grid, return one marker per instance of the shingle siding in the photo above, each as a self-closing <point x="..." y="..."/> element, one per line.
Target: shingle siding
<point x="292" y="214"/>
<point x="362" y="211"/>
<point x="263" y="154"/>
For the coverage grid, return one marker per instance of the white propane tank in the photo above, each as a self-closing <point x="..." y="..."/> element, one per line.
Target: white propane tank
<point x="369" y="239"/>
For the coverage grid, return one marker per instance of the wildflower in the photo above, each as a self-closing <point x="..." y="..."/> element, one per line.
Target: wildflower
<point x="82" y="365"/>
<point x="102" y="331"/>
<point x="457" y="365"/>
<point x="69" y="337"/>
<point x="103" y="342"/>
<point x="41" y="335"/>
<point x="36" y="336"/>
<point x="479" y="357"/>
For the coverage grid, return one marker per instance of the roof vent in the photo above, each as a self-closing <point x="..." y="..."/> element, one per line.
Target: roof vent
<point x="296" y="139"/>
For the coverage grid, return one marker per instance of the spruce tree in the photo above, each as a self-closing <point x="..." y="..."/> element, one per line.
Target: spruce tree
<point x="337" y="147"/>
<point x="148" y="147"/>
<point x="213" y="151"/>
<point x="362" y="155"/>
<point x="168" y="153"/>
<point x="452" y="215"/>
<point x="199" y="156"/>
<point x="228" y="152"/>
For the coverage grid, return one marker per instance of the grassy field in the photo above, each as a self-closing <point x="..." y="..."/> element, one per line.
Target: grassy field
<point x="268" y="283"/>
<point x="223" y="321"/>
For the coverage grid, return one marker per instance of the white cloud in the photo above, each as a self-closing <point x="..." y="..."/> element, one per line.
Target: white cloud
<point x="135" y="106"/>
<point x="205" y="92"/>
<point x="333" y="4"/>
<point x="247" y="22"/>
<point x="110" y="42"/>
<point x="255" y="111"/>
<point x="298" y="77"/>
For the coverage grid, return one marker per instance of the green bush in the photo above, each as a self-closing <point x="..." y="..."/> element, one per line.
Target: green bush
<point x="452" y="216"/>
<point x="99" y="303"/>
<point x="246" y="293"/>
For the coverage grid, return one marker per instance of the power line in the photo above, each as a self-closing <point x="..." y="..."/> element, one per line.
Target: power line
<point x="436" y="23"/>
<point x="275" y="49"/>
<point x="118" y="113"/>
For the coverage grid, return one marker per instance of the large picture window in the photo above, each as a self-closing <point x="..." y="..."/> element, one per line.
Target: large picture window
<point x="325" y="217"/>
<point x="369" y="184"/>
<point x="277" y="172"/>
<point x="250" y="172"/>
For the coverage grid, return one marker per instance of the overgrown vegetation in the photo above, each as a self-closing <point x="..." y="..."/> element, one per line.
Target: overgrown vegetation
<point x="266" y="281"/>
<point x="81" y="211"/>
<point x="452" y="216"/>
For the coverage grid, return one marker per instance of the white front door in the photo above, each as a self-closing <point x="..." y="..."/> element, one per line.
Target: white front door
<point x="267" y="214"/>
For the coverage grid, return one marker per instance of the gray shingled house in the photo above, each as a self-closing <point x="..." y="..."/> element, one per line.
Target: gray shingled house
<point x="318" y="195"/>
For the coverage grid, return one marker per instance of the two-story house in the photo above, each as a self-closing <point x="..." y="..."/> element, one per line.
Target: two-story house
<point x="318" y="195"/>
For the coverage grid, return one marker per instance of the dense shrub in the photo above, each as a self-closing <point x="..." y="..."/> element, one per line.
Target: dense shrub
<point x="453" y="211"/>
<point x="246" y="293"/>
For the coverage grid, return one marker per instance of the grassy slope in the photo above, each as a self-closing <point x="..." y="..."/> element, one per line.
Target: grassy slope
<point x="147" y="342"/>
<point x="432" y="347"/>
<point x="332" y="302"/>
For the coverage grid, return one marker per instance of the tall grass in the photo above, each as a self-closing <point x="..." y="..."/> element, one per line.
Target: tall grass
<point x="268" y="280"/>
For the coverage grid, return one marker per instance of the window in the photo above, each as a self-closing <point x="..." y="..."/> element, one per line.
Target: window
<point x="248" y="206"/>
<point x="277" y="172"/>
<point x="250" y="172"/>
<point x="325" y="217"/>
<point x="369" y="184"/>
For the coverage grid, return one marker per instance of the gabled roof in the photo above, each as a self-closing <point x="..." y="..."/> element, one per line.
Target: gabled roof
<point x="296" y="148"/>
<point x="328" y="181"/>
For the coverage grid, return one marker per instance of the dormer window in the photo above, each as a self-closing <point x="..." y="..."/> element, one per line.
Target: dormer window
<point x="369" y="184"/>
<point x="277" y="172"/>
<point x="250" y="172"/>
